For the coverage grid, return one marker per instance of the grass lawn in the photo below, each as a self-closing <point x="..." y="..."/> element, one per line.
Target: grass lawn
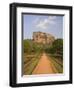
<point x="29" y="62"/>
<point x="57" y="62"/>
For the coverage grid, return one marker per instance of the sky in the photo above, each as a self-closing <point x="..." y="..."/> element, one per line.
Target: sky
<point x="52" y="24"/>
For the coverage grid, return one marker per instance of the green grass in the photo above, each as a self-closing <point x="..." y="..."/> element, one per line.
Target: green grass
<point x="58" y="64"/>
<point x="30" y="62"/>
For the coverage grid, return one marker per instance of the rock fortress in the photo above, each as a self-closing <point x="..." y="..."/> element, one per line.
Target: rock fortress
<point x="44" y="38"/>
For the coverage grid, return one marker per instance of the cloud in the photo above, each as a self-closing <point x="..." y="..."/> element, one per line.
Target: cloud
<point x="45" y="22"/>
<point x="52" y="17"/>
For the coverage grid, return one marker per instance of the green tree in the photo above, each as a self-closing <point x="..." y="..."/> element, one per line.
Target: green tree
<point x="27" y="46"/>
<point x="31" y="47"/>
<point x="58" y="46"/>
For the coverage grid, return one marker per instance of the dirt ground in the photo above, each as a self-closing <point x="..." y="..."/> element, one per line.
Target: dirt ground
<point x="45" y="66"/>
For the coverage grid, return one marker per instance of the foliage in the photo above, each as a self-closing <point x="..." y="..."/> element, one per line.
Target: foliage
<point x="31" y="47"/>
<point x="27" y="45"/>
<point x="56" y="47"/>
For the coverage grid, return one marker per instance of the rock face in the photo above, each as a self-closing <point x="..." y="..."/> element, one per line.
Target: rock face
<point x="44" y="38"/>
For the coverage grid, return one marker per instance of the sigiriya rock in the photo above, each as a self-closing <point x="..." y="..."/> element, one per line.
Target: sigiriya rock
<point x="44" y="38"/>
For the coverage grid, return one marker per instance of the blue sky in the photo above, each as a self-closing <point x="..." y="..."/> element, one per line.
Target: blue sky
<point x="45" y="23"/>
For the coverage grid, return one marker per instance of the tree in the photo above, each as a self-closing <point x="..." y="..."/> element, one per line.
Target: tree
<point x="31" y="47"/>
<point x="58" y="46"/>
<point x="27" y="46"/>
